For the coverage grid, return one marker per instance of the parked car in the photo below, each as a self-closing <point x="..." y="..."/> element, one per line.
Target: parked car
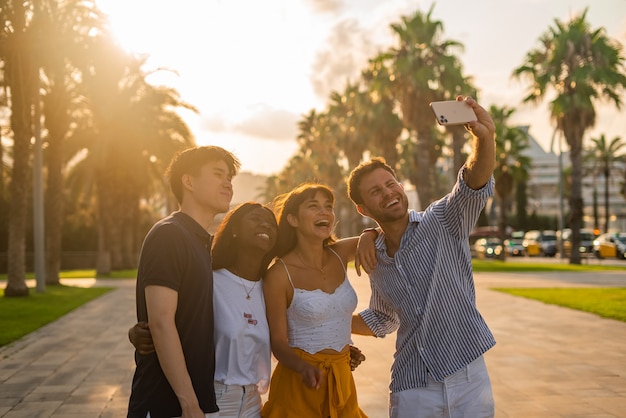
<point x="610" y="246"/>
<point x="548" y="243"/>
<point x="586" y="242"/>
<point x="540" y="243"/>
<point x="515" y="245"/>
<point x="490" y="247"/>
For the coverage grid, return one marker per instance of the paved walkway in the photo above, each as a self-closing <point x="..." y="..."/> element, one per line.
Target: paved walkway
<point x="548" y="362"/>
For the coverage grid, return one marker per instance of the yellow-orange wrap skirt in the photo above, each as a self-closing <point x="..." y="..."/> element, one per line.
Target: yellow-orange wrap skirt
<point x="335" y="398"/>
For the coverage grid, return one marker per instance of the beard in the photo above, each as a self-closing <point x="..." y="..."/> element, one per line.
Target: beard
<point x="398" y="212"/>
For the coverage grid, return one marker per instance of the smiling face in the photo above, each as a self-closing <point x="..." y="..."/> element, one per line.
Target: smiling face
<point x="384" y="199"/>
<point x="257" y="229"/>
<point x="315" y="216"/>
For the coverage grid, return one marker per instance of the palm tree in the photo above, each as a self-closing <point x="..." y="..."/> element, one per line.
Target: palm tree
<point x="419" y="71"/>
<point x="379" y="105"/>
<point x="132" y="134"/>
<point x="17" y="45"/>
<point x="512" y="165"/>
<point x="346" y="121"/>
<point x="581" y="66"/>
<point x="604" y="155"/>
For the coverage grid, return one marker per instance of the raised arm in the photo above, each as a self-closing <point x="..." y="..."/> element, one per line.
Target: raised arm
<point x="482" y="161"/>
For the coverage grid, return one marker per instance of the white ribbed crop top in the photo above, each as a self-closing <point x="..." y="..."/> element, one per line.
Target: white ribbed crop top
<point x="317" y="320"/>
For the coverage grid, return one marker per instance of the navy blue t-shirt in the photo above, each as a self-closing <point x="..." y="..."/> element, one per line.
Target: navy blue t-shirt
<point x="176" y="254"/>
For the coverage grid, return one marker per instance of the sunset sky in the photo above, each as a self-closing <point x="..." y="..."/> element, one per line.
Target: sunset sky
<point x="254" y="67"/>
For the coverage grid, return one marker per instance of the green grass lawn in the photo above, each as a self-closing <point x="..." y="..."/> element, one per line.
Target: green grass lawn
<point x="609" y="302"/>
<point x="22" y="315"/>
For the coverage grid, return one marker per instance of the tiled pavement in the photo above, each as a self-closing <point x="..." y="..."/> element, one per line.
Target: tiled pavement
<point x="548" y="361"/>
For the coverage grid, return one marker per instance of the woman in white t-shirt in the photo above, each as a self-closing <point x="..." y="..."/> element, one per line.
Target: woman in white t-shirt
<point x="241" y="251"/>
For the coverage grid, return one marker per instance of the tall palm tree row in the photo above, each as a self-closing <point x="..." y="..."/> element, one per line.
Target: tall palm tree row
<point x="386" y="112"/>
<point x="577" y="66"/>
<point x="103" y="124"/>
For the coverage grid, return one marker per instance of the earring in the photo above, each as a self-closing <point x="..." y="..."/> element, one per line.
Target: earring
<point x="234" y="235"/>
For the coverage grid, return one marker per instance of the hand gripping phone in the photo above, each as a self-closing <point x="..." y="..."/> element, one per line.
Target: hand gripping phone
<point x="452" y="112"/>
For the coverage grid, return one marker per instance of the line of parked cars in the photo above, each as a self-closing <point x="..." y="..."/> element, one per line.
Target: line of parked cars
<point x="545" y="243"/>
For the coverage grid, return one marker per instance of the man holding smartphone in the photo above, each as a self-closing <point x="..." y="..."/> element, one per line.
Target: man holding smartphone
<point x="423" y="284"/>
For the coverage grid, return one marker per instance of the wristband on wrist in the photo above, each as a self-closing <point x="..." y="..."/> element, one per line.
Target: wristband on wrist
<point x="374" y="230"/>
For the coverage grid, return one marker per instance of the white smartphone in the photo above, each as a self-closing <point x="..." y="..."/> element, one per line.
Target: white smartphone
<point x="452" y="112"/>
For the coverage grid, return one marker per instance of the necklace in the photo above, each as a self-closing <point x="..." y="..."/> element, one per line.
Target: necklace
<point x="320" y="269"/>
<point x="246" y="289"/>
<point x="243" y="283"/>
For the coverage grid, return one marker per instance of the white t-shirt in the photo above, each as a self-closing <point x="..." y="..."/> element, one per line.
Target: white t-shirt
<point x="242" y="335"/>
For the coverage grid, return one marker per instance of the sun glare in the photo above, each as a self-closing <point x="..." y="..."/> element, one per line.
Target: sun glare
<point x="130" y="25"/>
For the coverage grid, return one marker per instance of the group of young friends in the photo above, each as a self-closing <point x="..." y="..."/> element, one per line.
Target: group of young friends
<point x="273" y="280"/>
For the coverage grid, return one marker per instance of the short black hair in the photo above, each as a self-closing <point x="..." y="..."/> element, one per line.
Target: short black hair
<point x="191" y="160"/>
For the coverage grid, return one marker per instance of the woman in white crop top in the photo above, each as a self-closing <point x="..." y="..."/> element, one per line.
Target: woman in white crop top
<point x="309" y="309"/>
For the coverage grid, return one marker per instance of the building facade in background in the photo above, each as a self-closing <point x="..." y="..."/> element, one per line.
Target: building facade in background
<point x="545" y="197"/>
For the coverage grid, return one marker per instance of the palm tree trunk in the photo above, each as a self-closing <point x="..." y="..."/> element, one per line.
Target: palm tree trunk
<point x="520" y="204"/>
<point x="607" y="216"/>
<point x="458" y="141"/>
<point x="424" y="180"/>
<point x="576" y="200"/>
<point x="502" y="225"/>
<point x="17" y="78"/>
<point x="596" y="221"/>
<point x="54" y="204"/>
<point x="57" y="116"/>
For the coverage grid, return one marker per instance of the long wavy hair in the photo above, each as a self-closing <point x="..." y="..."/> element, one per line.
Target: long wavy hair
<point x="289" y="203"/>
<point x="225" y="249"/>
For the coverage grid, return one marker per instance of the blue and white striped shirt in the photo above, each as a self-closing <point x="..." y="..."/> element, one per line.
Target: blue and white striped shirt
<point x="426" y="291"/>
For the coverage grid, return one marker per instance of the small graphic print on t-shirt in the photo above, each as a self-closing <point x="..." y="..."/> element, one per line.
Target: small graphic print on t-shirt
<point x="250" y="318"/>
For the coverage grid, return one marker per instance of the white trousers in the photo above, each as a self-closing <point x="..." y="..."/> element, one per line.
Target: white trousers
<point x="465" y="394"/>
<point x="237" y="401"/>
